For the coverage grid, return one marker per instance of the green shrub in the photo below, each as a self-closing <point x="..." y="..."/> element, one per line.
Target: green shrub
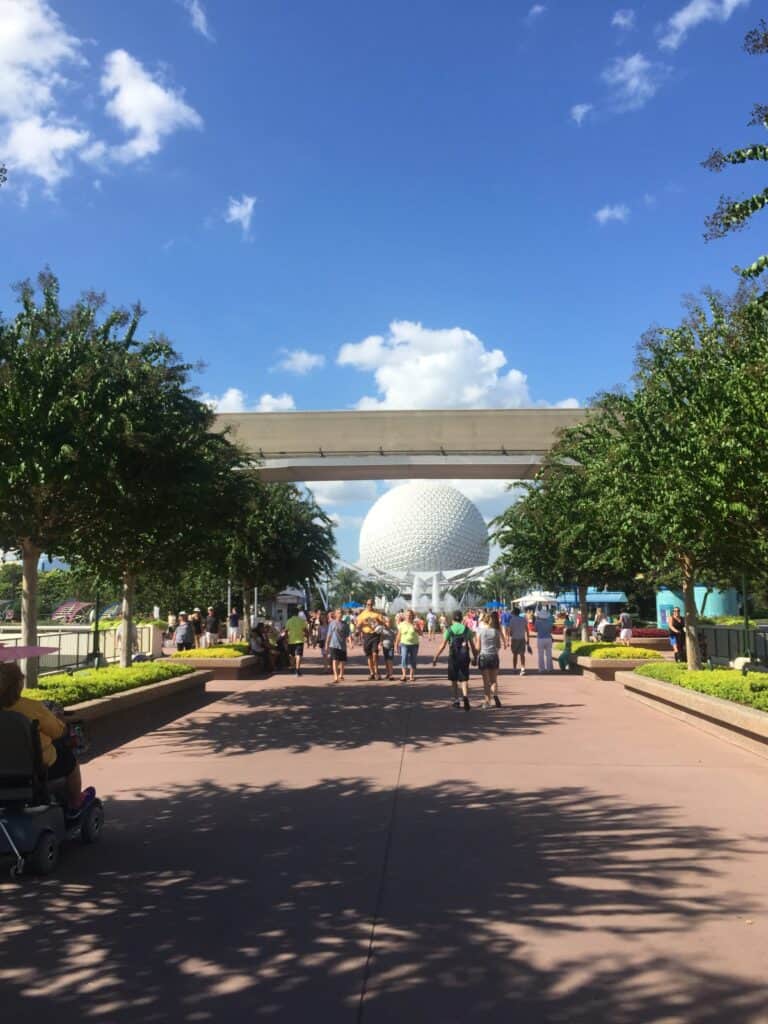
<point x="610" y="651"/>
<point x="220" y="651"/>
<point x="726" y="683"/>
<point x="92" y="683"/>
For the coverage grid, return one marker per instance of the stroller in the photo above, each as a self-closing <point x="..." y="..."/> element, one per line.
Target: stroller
<point x="33" y="823"/>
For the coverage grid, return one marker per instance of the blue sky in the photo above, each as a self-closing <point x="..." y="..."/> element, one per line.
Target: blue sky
<point x="281" y="183"/>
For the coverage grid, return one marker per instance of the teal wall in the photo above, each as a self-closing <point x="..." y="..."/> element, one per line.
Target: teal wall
<point x="719" y="602"/>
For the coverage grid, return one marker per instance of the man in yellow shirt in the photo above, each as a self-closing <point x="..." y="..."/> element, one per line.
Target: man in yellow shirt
<point x="367" y="621"/>
<point x="297" y="632"/>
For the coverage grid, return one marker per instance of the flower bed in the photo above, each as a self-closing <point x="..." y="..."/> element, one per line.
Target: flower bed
<point x="219" y="651"/>
<point x="726" y="683"/>
<point x="608" y="652"/>
<point x="91" y="684"/>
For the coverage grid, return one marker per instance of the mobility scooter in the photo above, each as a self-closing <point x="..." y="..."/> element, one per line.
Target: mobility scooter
<point x="33" y="820"/>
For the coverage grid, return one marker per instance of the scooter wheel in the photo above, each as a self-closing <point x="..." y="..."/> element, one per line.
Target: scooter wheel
<point x="91" y="825"/>
<point x="45" y="855"/>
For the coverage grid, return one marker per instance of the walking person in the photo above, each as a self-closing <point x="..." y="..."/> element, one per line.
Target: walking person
<point x="196" y="618"/>
<point x="544" y="624"/>
<point x="564" y="658"/>
<point x="676" y="627"/>
<point x="322" y="634"/>
<point x="518" y="638"/>
<point x="505" y="620"/>
<point x="336" y="641"/>
<point x="431" y="624"/>
<point x="387" y="636"/>
<point x="233" y="628"/>
<point x="491" y="638"/>
<point x="461" y="645"/>
<point x="367" y="621"/>
<point x="184" y="635"/>
<point x="625" y="628"/>
<point x="211" y="634"/>
<point x="297" y="632"/>
<point x="407" y="642"/>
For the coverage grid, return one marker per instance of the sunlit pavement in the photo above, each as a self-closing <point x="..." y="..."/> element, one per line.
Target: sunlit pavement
<point x="291" y="850"/>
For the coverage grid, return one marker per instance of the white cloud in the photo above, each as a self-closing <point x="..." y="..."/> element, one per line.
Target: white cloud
<point x="415" y="367"/>
<point x="300" y="361"/>
<point x="42" y="148"/>
<point x="235" y="400"/>
<point x="619" y="212"/>
<point x="635" y="80"/>
<point x="143" y="106"/>
<point x="624" y="19"/>
<point x="536" y="11"/>
<point x="199" y="18"/>
<point x="275" y="403"/>
<point x="579" y="111"/>
<point x="341" y="492"/>
<point x="692" y="15"/>
<point x="240" y="211"/>
<point x="650" y="200"/>
<point x="342" y="519"/>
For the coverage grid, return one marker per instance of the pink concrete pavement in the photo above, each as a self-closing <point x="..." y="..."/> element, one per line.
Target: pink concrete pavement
<point x="288" y="850"/>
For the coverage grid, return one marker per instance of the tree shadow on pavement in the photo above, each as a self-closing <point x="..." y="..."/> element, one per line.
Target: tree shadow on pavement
<point x="553" y="906"/>
<point x="297" y="718"/>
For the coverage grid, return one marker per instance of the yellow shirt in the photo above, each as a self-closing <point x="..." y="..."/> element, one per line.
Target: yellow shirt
<point x="50" y="727"/>
<point x="296" y="628"/>
<point x="368" y="621"/>
<point x="409" y="635"/>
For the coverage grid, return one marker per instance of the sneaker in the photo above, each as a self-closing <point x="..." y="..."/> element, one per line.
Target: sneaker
<point x="496" y="701"/>
<point x="88" y="795"/>
<point x="457" y="703"/>
<point x="466" y="703"/>
<point x="522" y="671"/>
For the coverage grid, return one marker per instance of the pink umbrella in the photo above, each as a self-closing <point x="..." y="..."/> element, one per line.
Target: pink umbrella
<point x="14" y="653"/>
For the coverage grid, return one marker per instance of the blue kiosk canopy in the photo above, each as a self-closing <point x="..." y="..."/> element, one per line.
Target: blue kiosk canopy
<point x="594" y="596"/>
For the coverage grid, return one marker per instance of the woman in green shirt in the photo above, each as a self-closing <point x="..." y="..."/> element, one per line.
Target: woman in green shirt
<point x="407" y="642"/>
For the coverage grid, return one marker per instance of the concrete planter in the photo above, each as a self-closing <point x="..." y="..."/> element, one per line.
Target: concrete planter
<point x="743" y="726"/>
<point x="245" y="667"/>
<point x="605" y="669"/>
<point x="652" y="643"/>
<point x="101" y="707"/>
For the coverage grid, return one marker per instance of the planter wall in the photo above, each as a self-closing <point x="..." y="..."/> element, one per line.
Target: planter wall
<point x="103" y="707"/>
<point x="245" y="667"/>
<point x="606" y="669"/>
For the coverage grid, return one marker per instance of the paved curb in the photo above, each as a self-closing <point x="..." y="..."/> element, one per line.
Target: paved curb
<point x="102" y="707"/>
<point x="243" y="667"/>
<point x="743" y="726"/>
<point x="606" y="669"/>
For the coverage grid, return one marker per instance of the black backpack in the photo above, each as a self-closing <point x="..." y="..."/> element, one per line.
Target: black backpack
<point x="459" y="645"/>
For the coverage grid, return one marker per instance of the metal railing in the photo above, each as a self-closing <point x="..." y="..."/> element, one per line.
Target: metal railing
<point x="74" y="647"/>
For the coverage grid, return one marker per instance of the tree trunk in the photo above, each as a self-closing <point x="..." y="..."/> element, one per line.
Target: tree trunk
<point x="583" y="611"/>
<point x="30" y="554"/>
<point x="691" y="616"/>
<point x="126" y="647"/>
<point x="247" y="591"/>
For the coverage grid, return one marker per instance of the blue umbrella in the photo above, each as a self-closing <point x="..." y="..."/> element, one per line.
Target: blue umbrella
<point x="494" y="604"/>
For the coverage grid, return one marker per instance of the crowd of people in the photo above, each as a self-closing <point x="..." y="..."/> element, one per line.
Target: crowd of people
<point x="391" y="643"/>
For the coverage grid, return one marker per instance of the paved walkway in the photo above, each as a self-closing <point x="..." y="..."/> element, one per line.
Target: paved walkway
<point x="291" y="851"/>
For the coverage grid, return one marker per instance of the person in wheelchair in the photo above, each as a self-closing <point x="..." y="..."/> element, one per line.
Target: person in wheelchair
<point x="56" y="750"/>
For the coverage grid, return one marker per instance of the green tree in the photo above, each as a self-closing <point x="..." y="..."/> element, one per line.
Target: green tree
<point x="734" y="214"/>
<point x="283" y="539"/>
<point x="687" y="453"/>
<point x="61" y="412"/>
<point x="560" y="534"/>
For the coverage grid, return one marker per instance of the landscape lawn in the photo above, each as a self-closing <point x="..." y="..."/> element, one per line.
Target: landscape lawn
<point x="610" y="651"/>
<point x="726" y="683"/>
<point x="220" y="651"/>
<point x="91" y="683"/>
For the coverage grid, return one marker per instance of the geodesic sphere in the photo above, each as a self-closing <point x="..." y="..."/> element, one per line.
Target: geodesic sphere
<point x="423" y="527"/>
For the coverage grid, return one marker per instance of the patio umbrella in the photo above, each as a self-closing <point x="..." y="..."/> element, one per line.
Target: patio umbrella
<point x="14" y="653"/>
<point x="494" y="604"/>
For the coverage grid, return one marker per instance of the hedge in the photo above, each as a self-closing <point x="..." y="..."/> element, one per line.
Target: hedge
<point x="726" y="683"/>
<point x="610" y="651"/>
<point x="92" y="683"/>
<point x="219" y="651"/>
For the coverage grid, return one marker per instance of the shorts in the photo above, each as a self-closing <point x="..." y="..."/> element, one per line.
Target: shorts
<point x="458" y="671"/>
<point x="337" y="653"/>
<point x="186" y="646"/>
<point x="297" y="650"/>
<point x="518" y="646"/>
<point x="488" y="661"/>
<point x="387" y="652"/>
<point x="370" y="643"/>
<point x="625" y="634"/>
<point x="65" y="762"/>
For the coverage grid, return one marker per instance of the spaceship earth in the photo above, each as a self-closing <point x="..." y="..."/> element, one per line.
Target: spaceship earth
<point x="423" y="527"/>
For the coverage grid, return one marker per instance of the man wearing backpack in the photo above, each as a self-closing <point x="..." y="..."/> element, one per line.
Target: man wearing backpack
<point x="460" y="642"/>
